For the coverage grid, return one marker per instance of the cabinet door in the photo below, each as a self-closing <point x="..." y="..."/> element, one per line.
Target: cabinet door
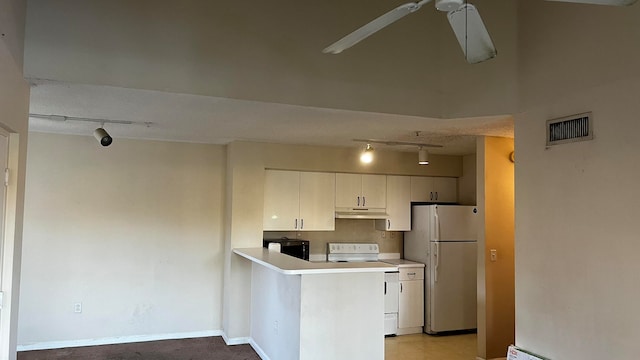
<point x="422" y="189"/>
<point x="374" y="191"/>
<point x="317" y="201"/>
<point x="446" y="189"/>
<point x="348" y="189"/>
<point x="398" y="205"/>
<point x="410" y="306"/>
<point x="281" y="200"/>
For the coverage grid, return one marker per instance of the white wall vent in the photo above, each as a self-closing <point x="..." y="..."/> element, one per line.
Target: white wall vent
<point x="570" y="129"/>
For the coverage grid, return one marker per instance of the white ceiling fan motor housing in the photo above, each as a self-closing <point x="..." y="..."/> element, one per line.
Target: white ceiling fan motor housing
<point x="448" y="5"/>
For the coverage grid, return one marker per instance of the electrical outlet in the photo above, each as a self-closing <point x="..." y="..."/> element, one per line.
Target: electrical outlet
<point x="393" y="234"/>
<point x="77" y="307"/>
<point x="494" y="255"/>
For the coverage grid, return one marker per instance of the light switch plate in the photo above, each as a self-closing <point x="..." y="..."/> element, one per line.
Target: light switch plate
<point x="494" y="255"/>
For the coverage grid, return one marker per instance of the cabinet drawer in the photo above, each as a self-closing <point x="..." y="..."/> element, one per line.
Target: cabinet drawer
<point x="415" y="273"/>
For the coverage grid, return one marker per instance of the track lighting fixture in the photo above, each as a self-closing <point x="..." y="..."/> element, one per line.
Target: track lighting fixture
<point x="367" y="155"/>
<point x="100" y="133"/>
<point x="423" y="156"/>
<point x="102" y="136"/>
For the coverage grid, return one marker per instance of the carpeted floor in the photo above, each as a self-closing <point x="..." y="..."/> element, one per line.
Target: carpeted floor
<point x="209" y="348"/>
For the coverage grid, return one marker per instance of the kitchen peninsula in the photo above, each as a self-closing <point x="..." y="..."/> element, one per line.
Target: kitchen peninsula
<point x="302" y="310"/>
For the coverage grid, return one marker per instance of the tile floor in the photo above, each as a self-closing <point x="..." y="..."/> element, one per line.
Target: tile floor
<point x="427" y="347"/>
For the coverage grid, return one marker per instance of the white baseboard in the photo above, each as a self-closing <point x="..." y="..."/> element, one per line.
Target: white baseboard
<point x="258" y="350"/>
<point x="408" y="331"/>
<point x="234" y="341"/>
<point x="116" y="340"/>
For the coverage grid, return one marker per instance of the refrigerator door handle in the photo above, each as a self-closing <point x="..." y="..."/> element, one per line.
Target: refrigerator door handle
<point x="437" y="224"/>
<point x="437" y="256"/>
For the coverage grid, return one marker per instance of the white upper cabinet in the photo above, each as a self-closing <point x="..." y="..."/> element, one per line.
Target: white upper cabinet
<point x="296" y="200"/>
<point x="421" y="189"/>
<point x="317" y="203"/>
<point x="446" y="189"/>
<point x="348" y="190"/>
<point x="361" y="191"/>
<point x="374" y="191"/>
<point x="281" y="200"/>
<point x="434" y="189"/>
<point x="398" y="205"/>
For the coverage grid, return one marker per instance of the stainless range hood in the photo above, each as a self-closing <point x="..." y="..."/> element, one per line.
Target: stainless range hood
<point x="372" y="214"/>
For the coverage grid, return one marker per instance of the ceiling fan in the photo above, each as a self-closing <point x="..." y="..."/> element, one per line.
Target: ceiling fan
<point x="464" y="19"/>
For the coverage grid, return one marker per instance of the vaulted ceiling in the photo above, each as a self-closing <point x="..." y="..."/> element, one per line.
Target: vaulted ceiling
<point x="217" y="71"/>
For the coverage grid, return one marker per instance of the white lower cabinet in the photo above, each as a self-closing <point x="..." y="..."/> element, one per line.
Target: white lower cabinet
<point x="411" y="300"/>
<point x="391" y="291"/>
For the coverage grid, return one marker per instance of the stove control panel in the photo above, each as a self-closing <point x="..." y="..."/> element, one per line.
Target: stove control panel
<point x="352" y="248"/>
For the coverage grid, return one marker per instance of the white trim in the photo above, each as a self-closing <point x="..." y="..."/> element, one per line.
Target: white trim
<point x="234" y="341"/>
<point x="258" y="350"/>
<point x="117" y="340"/>
<point x="388" y="256"/>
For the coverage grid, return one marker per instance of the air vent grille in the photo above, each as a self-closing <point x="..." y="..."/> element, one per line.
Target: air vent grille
<point x="570" y="129"/>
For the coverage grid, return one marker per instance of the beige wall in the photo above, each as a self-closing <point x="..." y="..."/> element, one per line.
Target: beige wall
<point x="496" y="314"/>
<point x="467" y="182"/>
<point x="14" y="105"/>
<point x="133" y="231"/>
<point x="576" y="229"/>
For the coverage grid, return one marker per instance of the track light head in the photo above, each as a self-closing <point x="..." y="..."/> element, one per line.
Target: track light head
<point x="423" y="156"/>
<point x="102" y="136"/>
<point x="367" y="155"/>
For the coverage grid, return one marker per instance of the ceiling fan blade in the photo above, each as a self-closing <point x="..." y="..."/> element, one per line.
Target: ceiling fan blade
<point x="471" y="33"/>
<point x="373" y="26"/>
<point x="602" y="2"/>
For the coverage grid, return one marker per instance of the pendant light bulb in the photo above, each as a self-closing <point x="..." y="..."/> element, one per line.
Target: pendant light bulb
<point x="423" y="156"/>
<point x="367" y="155"/>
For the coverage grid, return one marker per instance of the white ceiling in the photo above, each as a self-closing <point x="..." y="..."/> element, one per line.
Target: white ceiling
<point x="215" y="120"/>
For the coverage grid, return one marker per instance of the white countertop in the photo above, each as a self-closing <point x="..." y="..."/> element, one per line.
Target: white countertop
<point x="403" y="263"/>
<point x="290" y="265"/>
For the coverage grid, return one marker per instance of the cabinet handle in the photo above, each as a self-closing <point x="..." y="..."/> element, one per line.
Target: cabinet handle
<point x="358" y="200"/>
<point x="385" y="288"/>
<point x="411" y="274"/>
<point x="296" y="224"/>
<point x="301" y="224"/>
<point x="431" y="195"/>
<point x="400" y="287"/>
<point x="436" y="196"/>
<point x="388" y="224"/>
<point x="364" y="200"/>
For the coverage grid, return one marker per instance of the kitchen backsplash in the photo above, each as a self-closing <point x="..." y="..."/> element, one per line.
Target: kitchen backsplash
<point x="346" y="231"/>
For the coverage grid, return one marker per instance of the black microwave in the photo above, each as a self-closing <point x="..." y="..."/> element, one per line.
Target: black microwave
<point x="293" y="247"/>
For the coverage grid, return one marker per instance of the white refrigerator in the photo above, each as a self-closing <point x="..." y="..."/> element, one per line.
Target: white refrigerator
<point x="443" y="237"/>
